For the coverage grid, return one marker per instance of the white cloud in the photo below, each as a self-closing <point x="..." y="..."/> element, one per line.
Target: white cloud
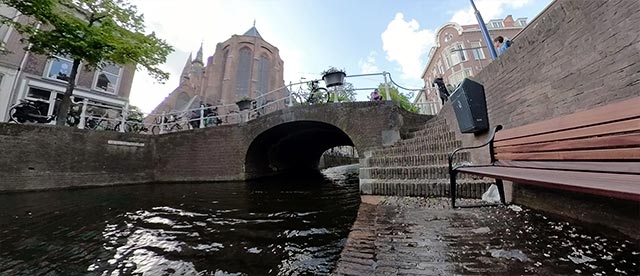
<point x="490" y="9"/>
<point x="369" y="65"/>
<point x="406" y="44"/>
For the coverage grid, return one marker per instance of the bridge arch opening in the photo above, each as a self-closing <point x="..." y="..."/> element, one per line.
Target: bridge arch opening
<point x="292" y="147"/>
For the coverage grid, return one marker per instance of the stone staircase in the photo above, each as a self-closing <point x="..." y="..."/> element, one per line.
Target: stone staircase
<point x="417" y="166"/>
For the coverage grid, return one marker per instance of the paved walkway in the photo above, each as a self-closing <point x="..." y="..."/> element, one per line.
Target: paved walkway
<point x="423" y="236"/>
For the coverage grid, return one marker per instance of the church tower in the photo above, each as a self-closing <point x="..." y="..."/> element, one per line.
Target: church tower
<point x="242" y="66"/>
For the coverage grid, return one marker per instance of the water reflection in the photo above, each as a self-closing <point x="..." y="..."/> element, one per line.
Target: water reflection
<point x="294" y="225"/>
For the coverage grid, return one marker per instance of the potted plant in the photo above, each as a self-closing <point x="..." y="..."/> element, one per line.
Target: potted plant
<point x="333" y="76"/>
<point x="244" y="103"/>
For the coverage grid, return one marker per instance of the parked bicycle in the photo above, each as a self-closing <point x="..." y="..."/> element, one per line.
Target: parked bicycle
<point x="314" y="94"/>
<point x="171" y="124"/>
<point x="28" y="111"/>
<point x="99" y="123"/>
<point x="209" y="115"/>
<point x="132" y="126"/>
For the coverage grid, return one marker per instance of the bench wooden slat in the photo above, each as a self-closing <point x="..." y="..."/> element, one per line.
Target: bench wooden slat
<point x="599" y="154"/>
<point x="605" y="129"/>
<point x="612" y="112"/>
<point x="613" y="167"/>
<point x="614" y="141"/>
<point x="623" y="186"/>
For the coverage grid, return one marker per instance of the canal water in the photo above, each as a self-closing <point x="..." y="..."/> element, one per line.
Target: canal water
<point x="286" y="226"/>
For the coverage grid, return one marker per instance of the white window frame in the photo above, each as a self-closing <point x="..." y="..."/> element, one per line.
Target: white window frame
<point x="497" y="24"/>
<point x="453" y="56"/>
<point x="50" y="64"/>
<point x="478" y="52"/>
<point x="52" y="98"/>
<point x="522" y="22"/>
<point x="116" y="86"/>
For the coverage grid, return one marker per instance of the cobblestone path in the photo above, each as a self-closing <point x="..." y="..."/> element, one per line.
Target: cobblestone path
<point x="423" y="236"/>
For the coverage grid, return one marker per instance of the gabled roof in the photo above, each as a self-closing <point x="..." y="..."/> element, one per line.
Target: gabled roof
<point x="253" y="32"/>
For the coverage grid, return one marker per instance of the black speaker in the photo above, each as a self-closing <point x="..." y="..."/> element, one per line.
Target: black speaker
<point x="470" y="106"/>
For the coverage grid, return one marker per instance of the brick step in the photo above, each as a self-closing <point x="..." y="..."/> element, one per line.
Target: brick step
<point x="414" y="160"/>
<point x="411" y="172"/>
<point x="447" y="136"/>
<point x="444" y="147"/>
<point x="428" y="129"/>
<point x="428" y="188"/>
<point x="436" y="131"/>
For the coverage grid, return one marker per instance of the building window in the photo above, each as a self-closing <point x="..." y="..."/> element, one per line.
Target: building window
<point x="478" y="53"/>
<point x="447" y="37"/>
<point x="60" y="68"/>
<point x="446" y="57"/>
<point x="263" y="83"/>
<point x="459" y="47"/>
<point x="8" y="13"/>
<point x="243" y="75"/>
<point x="107" y="79"/>
<point x="522" y="22"/>
<point x="496" y="24"/>
<point x="182" y="101"/>
<point x="440" y="68"/>
<point x="457" y="77"/>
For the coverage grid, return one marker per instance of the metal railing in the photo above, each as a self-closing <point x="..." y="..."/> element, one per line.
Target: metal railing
<point x="104" y="117"/>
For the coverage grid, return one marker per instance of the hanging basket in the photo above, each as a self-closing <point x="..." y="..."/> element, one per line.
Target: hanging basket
<point x="244" y="104"/>
<point x="334" y="78"/>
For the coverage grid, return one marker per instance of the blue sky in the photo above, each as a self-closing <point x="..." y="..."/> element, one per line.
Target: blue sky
<point x="359" y="36"/>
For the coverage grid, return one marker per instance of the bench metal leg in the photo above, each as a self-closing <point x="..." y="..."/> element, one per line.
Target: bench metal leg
<point x="452" y="190"/>
<point x="501" y="191"/>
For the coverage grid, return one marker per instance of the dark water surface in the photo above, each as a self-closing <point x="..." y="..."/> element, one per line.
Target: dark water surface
<point x="287" y="226"/>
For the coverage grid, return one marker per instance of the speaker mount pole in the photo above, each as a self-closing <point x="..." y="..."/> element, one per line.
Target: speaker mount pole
<point x="485" y="32"/>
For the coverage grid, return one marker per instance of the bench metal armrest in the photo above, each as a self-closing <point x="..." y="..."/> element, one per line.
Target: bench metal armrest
<point x="489" y="142"/>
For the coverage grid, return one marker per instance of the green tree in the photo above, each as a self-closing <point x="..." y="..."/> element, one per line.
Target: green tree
<point x="400" y="98"/>
<point x="346" y="93"/>
<point x="95" y="33"/>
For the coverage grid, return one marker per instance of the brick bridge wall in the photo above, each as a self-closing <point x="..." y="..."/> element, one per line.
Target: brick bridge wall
<point x="575" y="56"/>
<point x="34" y="157"/>
<point x="220" y="153"/>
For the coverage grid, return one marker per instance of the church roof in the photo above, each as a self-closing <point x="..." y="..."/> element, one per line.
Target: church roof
<point x="253" y="32"/>
<point x="199" y="58"/>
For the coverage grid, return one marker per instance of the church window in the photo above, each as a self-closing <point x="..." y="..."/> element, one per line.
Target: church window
<point x="182" y="101"/>
<point x="263" y="71"/>
<point x="243" y="75"/>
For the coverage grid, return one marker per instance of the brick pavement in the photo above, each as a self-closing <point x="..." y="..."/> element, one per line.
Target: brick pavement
<point x="423" y="236"/>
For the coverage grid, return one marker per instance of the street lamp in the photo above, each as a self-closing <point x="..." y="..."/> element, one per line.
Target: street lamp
<point x="485" y="32"/>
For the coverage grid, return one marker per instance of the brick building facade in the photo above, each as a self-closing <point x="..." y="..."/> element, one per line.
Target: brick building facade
<point x="244" y="66"/>
<point x="37" y="77"/>
<point x="461" y="52"/>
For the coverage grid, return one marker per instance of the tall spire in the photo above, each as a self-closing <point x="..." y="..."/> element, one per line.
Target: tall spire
<point x="187" y="68"/>
<point x="198" y="58"/>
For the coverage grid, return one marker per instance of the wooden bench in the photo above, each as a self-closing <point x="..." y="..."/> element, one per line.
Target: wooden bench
<point x="595" y="151"/>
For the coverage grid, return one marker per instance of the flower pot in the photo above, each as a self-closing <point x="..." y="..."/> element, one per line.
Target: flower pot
<point x="334" y="78"/>
<point x="244" y="104"/>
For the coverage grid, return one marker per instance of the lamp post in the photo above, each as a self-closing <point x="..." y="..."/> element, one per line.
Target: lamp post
<point x="485" y="32"/>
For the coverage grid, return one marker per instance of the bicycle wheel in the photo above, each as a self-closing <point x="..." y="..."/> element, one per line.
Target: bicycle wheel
<point x="320" y="95"/>
<point x="13" y="117"/>
<point x="155" y="130"/>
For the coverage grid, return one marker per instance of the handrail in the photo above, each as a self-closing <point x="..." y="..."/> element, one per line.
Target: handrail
<point x="490" y="141"/>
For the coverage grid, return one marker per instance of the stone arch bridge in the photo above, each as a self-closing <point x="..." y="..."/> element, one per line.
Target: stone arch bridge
<point x="289" y="139"/>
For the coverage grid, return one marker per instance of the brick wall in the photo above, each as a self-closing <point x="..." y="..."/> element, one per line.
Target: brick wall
<point x="575" y="56"/>
<point x="34" y="157"/>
